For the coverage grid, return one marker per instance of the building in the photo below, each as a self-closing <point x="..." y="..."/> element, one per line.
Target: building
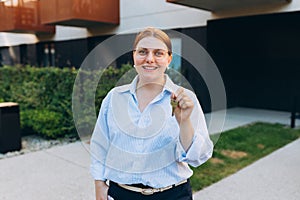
<point x="254" y="43"/>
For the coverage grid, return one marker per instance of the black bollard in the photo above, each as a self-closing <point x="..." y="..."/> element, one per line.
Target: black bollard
<point x="293" y="113"/>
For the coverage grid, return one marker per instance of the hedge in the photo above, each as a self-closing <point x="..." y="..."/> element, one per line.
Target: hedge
<point x="45" y="96"/>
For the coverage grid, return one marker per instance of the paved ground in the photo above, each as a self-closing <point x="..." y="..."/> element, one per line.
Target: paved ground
<point x="275" y="177"/>
<point x="62" y="172"/>
<point x="54" y="174"/>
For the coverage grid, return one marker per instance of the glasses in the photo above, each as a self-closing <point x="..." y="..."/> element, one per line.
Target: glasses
<point x="157" y="53"/>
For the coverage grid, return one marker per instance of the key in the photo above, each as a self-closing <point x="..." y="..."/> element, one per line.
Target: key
<point x="174" y="105"/>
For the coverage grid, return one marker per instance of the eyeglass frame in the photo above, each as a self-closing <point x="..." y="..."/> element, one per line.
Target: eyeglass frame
<point x="153" y="51"/>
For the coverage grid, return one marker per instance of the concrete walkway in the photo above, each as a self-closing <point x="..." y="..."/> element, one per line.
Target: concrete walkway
<point x="62" y="172"/>
<point x="59" y="173"/>
<point x="275" y="177"/>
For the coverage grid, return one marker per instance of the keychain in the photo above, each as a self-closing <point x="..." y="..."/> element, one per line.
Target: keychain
<point x="174" y="105"/>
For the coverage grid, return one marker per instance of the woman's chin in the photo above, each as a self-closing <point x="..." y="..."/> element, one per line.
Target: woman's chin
<point x="151" y="77"/>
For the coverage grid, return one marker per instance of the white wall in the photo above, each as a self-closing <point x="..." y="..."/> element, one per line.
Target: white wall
<point x="10" y="39"/>
<point x="136" y="14"/>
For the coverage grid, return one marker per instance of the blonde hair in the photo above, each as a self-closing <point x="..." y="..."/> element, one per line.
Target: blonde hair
<point x="154" y="32"/>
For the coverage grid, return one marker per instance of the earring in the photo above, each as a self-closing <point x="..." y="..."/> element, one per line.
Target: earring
<point x="134" y="66"/>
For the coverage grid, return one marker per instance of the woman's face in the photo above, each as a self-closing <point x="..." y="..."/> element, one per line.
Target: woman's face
<point x="151" y="58"/>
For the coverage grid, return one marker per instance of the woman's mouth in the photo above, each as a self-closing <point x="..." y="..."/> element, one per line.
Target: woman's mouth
<point x="150" y="67"/>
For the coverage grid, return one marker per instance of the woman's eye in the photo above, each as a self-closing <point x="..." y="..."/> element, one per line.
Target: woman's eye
<point x="142" y="52"/>
<point x="159" y="53"/>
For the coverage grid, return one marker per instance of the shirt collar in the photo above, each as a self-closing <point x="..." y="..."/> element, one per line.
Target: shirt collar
<point x="169" y="86"/>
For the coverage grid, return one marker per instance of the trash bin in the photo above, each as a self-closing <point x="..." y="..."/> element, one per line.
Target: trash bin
<point x="10" y="132"/>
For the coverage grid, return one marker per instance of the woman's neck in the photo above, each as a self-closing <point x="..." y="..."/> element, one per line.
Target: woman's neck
<point x="147" y="91"/>
<point x="153" y="85"/>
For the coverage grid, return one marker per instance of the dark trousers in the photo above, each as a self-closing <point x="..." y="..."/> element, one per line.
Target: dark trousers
<point x="180" y="192"/>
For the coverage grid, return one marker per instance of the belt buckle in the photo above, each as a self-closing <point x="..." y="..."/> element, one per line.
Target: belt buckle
<point x="147" y="191"/>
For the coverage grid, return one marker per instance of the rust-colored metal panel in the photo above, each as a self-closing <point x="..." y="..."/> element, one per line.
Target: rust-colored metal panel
<point x="23" y="17"/>
<point x="80" y="12"/>
<point x="64" y="9"/>
<point x="6" y="16"/>
<point x="47" y="10"/>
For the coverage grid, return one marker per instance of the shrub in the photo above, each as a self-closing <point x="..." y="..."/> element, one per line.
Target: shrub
<point x="45" y="96"/>
<point x="46" y="122"/>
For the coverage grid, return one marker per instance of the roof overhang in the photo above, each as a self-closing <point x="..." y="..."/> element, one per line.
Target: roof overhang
<point x="80" y="13"/>
<point x="223" y="5"/>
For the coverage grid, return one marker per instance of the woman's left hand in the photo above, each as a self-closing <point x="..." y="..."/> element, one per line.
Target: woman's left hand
<point x="185" y="105"/>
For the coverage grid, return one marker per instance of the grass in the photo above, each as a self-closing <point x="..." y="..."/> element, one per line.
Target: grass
<point x="240" y="147"/>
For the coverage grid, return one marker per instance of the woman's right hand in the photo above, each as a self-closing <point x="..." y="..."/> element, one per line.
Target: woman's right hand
<point x="101" y="190"/>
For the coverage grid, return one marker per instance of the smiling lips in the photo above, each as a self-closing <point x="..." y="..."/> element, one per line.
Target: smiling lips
<point x="149" y="67"/>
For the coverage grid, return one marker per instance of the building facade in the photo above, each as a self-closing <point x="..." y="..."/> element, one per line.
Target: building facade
<point x="255" y="44"/>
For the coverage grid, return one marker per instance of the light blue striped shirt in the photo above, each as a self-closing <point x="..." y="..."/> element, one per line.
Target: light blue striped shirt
<point x="129" y="146"/>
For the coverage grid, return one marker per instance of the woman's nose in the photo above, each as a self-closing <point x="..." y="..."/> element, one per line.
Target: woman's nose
<point x="150" y="57"/>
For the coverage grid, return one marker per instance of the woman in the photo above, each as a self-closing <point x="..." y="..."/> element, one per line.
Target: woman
<point x="142" y="145"/>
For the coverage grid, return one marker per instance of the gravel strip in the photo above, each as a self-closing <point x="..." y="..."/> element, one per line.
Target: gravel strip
<point x="33" y="143"/>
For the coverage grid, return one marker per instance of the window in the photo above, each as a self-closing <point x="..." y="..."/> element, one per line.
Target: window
<point x="176" y="48"/>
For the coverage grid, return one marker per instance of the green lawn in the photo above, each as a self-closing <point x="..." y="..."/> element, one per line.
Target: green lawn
<point x="240" y="147"/>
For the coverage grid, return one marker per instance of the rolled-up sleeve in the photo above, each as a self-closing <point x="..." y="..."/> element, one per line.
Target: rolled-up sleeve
<point x="201" y="148"/>
<point x="99" y="143"/>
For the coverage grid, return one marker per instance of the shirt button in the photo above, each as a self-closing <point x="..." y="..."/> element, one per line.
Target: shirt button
<point x="147" y="120"/>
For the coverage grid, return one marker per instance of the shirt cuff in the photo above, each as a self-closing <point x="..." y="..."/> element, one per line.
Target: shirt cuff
<point x="96" y="171"/>
<point x="199" y="152"/>
<point x="181" y="154"/>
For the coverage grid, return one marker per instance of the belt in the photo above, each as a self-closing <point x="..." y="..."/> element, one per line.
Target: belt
<point x="150" y="191"/>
